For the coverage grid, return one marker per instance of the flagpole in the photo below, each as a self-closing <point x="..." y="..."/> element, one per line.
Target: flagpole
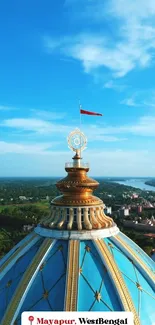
<point x="80" y="114"/>
<point x="80" y="126"/>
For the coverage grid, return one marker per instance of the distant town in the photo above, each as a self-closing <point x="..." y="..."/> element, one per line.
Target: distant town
<point x="23" y="202"/>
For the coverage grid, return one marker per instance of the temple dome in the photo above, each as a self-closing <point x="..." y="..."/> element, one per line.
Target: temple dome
<point x="77" y="260"/>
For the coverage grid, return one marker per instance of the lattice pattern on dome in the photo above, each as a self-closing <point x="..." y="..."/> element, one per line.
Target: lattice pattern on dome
<point x="100" y="296"/>
<point x="136" y="283"/>
<point x="47" y="297"/>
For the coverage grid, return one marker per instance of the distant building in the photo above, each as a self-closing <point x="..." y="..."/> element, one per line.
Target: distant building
<point x="150" y="235"/>
<point x="153" y="220"/>
<point x="135" y="196"/>
<point x="124" y="212"/>
<point x="21" y="197"/>
<point x="28" y="227"/>
<point x="139" y="209"/>
<point x="108" y="210"/>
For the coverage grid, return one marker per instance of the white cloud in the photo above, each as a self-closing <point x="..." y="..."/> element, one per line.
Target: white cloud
<point x="129" y="102"/>
<point x="132" y="9"/>
<point x="8" y="147"/>
<point x="126" y="162"/>
<point x="131" y="45"/>
<point x="105" y="138"/>
<point x="48" y="115"/>
<point x="141" y="98"/>
<point x="35" y="125"/>
<point x="28" y="124"/>
<point x="145" y="126"/>
<point x="7" y="108"/>
<point x="102" y="162"/>
<point x="113" y="85"/>
<point x="94" y="53"/>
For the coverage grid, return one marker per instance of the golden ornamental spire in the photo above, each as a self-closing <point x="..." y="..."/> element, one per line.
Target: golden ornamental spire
<point x="77" y="208"/>
<point x="77" y="142"/>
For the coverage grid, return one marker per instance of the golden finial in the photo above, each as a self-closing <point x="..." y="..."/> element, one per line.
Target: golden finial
<point x="98" y="296"/>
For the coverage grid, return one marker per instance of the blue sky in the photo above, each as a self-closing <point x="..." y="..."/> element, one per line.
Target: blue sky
<point x="54" y="53"/>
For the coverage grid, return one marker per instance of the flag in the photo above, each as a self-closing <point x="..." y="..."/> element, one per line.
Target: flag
<point x="89" y="113"/>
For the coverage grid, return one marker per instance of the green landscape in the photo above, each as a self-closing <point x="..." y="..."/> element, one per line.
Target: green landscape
<point x="25" y="201"/>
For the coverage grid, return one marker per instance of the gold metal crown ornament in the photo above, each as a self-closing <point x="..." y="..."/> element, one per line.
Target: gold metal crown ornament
<point x="77" y="208"/>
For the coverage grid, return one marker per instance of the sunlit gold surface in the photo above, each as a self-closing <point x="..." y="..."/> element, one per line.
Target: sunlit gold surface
<point x="77" y="188"/>
<point x="75" y="200"/>
<point x="77" y="208"/>
<point x="72" y="276"/>
<point x="78" y="218"/>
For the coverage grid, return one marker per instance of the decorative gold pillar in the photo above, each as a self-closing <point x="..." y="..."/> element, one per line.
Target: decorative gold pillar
<point x="57" y="216"/>
<point x="63" y="213"/>
<point x="86" y="219"/>
<point x="78" y="218"/>
<point x="101" y="218"/>
<point x="71" y="218"/>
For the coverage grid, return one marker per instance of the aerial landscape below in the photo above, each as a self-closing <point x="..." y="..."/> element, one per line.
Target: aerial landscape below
<point x="77" y="152"/>
<point x="24" y="201"/>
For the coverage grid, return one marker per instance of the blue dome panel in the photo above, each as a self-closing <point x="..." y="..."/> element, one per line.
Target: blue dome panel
<point x="85" y="295"/>
<point x="140" y="289"/>
<point x="95" y="290"/>
<point x="57" y="294"/>
<point x="126" y="268"/>
<point x="11" y="279"/>
<point x="49" y="282"/>
<point x="150" y="263"/>
<point x="91" y="269"/>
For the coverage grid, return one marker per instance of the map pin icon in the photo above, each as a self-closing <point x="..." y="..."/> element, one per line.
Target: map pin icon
<point x="31" y="319"/>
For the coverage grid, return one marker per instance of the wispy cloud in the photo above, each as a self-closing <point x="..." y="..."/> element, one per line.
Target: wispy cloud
<point x="7" y="108"/>
<point x="8" y="147"/>
<point x="131" y="44"/>
<point x="127" y="162"/>
<point x="39" y="126"/>
<point x="28" y="124"/>
<point x="32" y="163"/>
<point x="129" y="102"/>
<point x="42" y="127"/>
<point x="111" y="84"/>
<point x="143" y="98"/>
<point x="47" y="115"/>
<point x="145" y="126"/>
<point x="105" y="138"/>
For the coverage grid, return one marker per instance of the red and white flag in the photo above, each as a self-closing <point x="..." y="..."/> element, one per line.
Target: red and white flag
<point x="89" y="113"/>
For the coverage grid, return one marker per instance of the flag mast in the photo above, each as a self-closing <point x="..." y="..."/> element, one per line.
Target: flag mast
<point x="80" y="125"/>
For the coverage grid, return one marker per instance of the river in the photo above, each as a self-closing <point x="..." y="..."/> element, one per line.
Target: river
<point x="137" y="183"/>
